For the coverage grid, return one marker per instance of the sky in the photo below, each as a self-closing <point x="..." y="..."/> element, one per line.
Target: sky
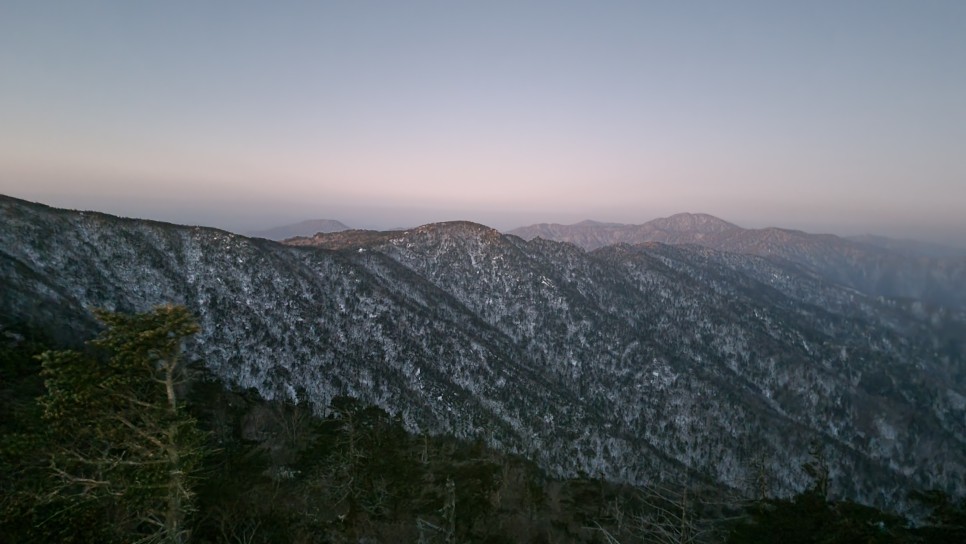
<point x="838" y="116"/>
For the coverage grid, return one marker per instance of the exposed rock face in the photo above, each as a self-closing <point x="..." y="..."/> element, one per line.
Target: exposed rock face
<point x="632" y="361"/>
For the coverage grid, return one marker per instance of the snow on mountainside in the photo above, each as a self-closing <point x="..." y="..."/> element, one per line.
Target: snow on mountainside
<point x="632" y="361"/>
<point x="884" y="268"/>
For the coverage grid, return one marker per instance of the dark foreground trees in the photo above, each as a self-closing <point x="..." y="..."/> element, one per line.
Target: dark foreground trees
<point x="101" y="446"/>
<point x="116" y="453"/>
<point x="810" y="518"/>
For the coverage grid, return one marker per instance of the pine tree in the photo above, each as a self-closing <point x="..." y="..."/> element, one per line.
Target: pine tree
<point x="124" y="445"/>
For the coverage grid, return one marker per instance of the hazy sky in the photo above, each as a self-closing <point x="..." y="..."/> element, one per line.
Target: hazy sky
<point x="841" y="116"/>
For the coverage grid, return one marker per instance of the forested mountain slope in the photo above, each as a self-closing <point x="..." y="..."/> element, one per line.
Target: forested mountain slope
<point x="873" y="265"/>
<point x="633" y="362"/>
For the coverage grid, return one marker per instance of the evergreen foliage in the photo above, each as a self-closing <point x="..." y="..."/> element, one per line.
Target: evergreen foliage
<point x="119" y="450"/>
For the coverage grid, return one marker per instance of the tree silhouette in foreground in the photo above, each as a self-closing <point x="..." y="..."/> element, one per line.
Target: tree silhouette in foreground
<point x="123" y="448"/>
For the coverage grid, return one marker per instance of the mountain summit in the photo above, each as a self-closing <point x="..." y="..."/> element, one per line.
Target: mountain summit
<point x="692" y="222"/>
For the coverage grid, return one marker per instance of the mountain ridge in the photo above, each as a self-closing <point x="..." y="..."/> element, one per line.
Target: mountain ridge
<point x="883" y="268"/>
<point x="634" y="361"/>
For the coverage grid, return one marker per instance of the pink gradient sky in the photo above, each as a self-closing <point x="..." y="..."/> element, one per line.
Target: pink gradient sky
<point x="846" y="117"/>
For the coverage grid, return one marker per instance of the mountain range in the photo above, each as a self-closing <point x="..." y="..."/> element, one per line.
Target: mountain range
<point x="716" y="353"/>
<point x="875" y="265"/>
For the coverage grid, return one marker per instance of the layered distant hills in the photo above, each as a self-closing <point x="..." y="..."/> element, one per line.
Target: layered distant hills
<point x="303" y="228"/>
<point x="685" y="228"/>
<point x="872" y="264"/>
<point x="706" y="352"/>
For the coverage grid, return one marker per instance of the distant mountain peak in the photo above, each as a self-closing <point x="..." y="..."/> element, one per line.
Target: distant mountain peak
<point x="693" y="222"/>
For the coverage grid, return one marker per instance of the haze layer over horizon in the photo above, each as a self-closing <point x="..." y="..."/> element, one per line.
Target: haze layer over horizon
<point x="843" y="117"/>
